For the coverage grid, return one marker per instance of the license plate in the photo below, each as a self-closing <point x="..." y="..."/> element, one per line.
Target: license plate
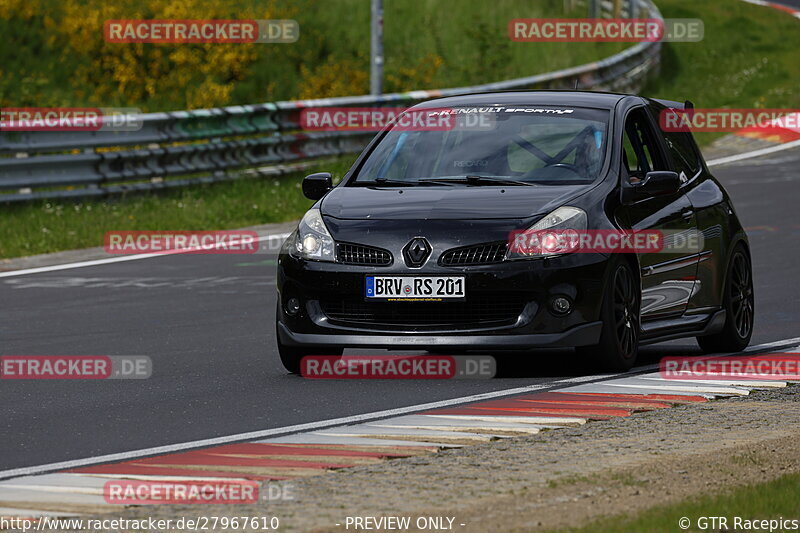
<point x="430" y="288"/>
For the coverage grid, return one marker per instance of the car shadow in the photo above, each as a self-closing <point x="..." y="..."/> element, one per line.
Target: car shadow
<point x="567" y="363"/>
<point x="548" y="363"/>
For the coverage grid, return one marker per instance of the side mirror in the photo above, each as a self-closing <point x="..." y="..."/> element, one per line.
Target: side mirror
<point x="660" y="182"/>
<point x="656" y="183"/>
<point x="315" y="186"/>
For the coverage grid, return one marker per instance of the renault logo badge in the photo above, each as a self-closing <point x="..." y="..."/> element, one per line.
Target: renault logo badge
<point x="416" y="252"/>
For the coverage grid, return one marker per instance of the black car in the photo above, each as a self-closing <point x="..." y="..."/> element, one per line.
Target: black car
<point x="412" y="249"/>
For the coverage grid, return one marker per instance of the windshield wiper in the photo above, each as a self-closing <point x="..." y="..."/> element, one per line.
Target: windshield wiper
<point x="446" y="180"/>
<point x="403" y="183"/>
<point x="476" y="180"/>
<point x="439" y="181"/>
<point x="386" y="181"/>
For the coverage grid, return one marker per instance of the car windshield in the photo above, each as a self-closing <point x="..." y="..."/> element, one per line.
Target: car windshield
<point x="492" y="146"/>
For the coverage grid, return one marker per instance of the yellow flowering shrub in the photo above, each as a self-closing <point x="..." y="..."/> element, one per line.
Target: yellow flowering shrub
<point x="115" y="74"/>
<point x="64" y="58"/>
<point x="420" y="76"/>
<point x="333" y="78"/>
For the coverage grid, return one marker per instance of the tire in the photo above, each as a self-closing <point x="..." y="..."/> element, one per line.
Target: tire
<point x="620" y="314"/>
<point x="739" y="304"/>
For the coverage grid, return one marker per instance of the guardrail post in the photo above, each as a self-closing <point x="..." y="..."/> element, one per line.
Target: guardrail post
<point x="594" y="9"/>
<point x="376" y="48"/>
<point x="643" y="11"/>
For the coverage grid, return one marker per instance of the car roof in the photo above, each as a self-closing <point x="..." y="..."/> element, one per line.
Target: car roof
<point x="560" y="98"/>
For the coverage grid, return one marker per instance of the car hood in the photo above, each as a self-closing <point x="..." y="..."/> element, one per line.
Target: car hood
<point x="442" y="203"/>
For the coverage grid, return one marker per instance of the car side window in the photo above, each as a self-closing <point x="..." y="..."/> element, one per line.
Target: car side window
<point x="641" y="153"/>
<point x="684" y="156"/>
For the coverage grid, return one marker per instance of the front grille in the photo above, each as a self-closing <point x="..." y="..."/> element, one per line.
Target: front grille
<point x="495" y="310"/>
<point x="480" y="254"/>
<point x="358" y="254"/>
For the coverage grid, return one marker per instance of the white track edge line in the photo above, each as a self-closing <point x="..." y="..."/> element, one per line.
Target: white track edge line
<point x="322" y="424"/>
<point x="754" y="153"/>
<point x="135" y="257"/>
<point x="252" y="435"/>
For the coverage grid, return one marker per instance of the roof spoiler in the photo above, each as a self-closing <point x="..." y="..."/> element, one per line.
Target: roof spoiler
<point x="675" y="105"/>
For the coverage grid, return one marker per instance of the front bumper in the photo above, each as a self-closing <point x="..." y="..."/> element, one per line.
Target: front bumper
<point x="583" y="335"/>
<point x="531" y="283"/>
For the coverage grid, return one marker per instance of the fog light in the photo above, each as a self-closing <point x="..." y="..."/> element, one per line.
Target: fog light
<point x="292" y="306"/>
<point x="561" y="305"/>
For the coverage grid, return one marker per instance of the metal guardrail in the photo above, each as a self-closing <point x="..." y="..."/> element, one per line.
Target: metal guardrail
<point x="182" y="148"/>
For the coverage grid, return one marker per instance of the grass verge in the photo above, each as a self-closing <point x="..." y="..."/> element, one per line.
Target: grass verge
<point x="771" y="500"/>
<point x="51" y="226"/>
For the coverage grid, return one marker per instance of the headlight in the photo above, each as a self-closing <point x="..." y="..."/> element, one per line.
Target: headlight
<point x="557" y="233"/>
<point x="313" y="240"/>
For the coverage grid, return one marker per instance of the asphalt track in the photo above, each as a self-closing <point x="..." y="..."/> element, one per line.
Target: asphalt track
<point x="794" y="4"/>
<point x="207" y="323"/>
